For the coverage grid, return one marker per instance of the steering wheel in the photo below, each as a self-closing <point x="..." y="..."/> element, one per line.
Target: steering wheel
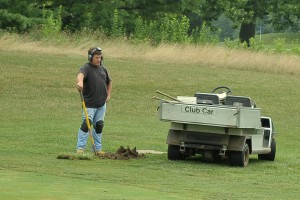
<point x="219" y="90"/>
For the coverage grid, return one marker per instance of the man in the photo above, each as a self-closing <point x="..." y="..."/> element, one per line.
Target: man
<point x="94" y="82"/>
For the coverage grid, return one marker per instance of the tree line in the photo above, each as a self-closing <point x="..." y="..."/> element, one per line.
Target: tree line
<point x="187" y="21"/>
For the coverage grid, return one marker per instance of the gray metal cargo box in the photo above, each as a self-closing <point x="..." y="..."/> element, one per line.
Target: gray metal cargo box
<point x="223" y="116"/>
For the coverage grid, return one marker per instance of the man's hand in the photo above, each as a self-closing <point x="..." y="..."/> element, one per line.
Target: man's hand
<point x="79" y="85"/>
<point x="109" y="86"/>
<point x="107" y="99"/>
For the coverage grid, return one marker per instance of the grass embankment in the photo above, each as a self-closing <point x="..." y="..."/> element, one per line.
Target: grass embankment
<point x="40" y="115"/>
<point x="285" y="42"/>
<point x="289" y="38"/>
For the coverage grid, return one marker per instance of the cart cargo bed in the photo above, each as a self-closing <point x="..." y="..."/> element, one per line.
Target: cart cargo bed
<point x="211" y="115"/>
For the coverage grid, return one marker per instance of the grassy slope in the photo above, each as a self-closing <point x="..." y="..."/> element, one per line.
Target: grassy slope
<point x="40" y="114"/>
<point x="290" y="38"/>
<point x="287" y="40"/>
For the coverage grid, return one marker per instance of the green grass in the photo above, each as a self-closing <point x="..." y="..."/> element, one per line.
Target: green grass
<point x="42" y="186"/>
<point x="280" y="41"/>
<point x="290" y="38"/>
<point x="41" y="113"/>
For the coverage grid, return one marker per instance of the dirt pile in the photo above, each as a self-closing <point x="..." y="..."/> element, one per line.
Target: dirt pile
<point x="123" y="154"/>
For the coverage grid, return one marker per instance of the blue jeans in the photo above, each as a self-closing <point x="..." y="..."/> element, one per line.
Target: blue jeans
<point x="95" y="115"/>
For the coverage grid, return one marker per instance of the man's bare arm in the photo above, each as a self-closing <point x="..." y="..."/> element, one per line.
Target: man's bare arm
<point x="79" y="81"/>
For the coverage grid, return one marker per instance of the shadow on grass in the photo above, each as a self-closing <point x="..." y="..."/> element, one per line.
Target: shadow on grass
<point x="202" y="160"/>
<point x="199" y="159"/>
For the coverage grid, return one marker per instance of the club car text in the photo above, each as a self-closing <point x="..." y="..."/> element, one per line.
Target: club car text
<point x="198" y="110"/>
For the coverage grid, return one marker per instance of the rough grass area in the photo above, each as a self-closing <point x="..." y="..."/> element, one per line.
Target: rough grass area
<point x="209" y="56"/>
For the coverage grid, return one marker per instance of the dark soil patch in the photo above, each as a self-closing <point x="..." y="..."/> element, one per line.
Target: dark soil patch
<point x="123" y="154"/>
<point x="75" y="156"/>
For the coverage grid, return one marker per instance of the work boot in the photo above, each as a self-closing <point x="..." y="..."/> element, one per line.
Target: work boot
<point x="80" y="151"/>
<point x="100" y="153"/>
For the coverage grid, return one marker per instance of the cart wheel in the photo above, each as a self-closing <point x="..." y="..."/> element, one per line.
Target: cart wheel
<point x="174" y="153"/>
<point x="270" y="156"/>
<point x="216" y="156"/>
<point x="240" y="158"/>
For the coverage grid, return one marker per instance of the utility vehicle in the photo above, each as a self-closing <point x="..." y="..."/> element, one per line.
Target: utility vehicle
<point x="217" y="125"/>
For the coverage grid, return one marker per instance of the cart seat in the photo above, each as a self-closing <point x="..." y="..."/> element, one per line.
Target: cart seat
<point x="207" y="98"/>
<point x="235" y="100"/>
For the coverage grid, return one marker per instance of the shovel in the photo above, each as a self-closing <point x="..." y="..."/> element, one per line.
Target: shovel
<point x="88" y="122"/>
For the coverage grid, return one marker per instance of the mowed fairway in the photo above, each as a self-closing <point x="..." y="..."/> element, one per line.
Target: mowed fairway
<point x="41" y="113"/>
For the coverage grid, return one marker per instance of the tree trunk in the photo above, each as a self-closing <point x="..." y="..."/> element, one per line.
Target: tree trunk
<point x="247" y="31"/>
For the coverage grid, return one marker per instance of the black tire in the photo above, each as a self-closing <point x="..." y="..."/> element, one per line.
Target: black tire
<point x="270" y="156"/>
<point x="216" y="156"/>
<point x="240" y="158"/>
<point x="174" y="153"/>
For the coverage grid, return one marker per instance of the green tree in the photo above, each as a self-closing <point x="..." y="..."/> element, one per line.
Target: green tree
<point x="227" y="30"/>
<point x="19" y="16"/>
<point x="245" y="14"/>
<point x="285" y="14"/>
